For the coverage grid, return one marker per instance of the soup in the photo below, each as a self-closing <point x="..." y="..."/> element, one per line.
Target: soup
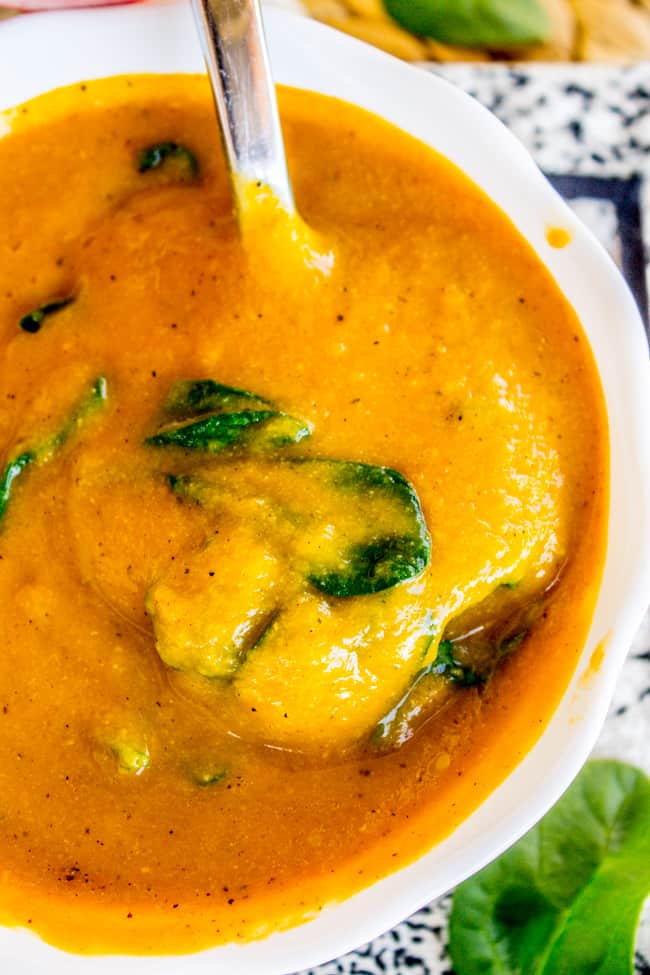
<point x="300" y="531"/>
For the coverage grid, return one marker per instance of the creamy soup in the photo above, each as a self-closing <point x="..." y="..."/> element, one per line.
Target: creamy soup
<point x="300" y="531"/>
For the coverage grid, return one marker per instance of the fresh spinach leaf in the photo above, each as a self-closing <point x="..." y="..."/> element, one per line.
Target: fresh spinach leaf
<point x="499" y="24"/>
<point x="34" y="319"/>
<point x="92" y="400"/>
<point x="565" y="900"/>
<point x="154" y="156"/>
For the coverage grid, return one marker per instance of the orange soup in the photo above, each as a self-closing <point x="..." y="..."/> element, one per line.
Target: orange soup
<point x="298" y="543"/>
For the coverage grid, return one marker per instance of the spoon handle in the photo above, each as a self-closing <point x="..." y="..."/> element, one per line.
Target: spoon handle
<point x="232" y="38"/>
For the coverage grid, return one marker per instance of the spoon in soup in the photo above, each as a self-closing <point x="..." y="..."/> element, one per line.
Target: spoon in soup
<point x="234" y="48"/>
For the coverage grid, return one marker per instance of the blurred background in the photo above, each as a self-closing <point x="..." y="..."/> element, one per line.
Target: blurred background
<point x="567" y="30"/>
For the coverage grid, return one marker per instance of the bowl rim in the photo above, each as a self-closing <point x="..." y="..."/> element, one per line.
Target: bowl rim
<point x="309" y="55"/>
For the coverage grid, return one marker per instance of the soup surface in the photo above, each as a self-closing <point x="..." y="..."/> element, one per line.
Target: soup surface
<point x="300" y="530"/>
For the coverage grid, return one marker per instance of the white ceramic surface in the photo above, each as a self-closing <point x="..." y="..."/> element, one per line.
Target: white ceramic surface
<point x="43" y="51"/>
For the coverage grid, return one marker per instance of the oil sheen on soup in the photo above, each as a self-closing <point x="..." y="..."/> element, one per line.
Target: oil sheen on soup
<point x="300" y="530"/>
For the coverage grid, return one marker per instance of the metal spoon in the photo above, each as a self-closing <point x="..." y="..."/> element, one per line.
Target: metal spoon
<point x="234" y="48"/>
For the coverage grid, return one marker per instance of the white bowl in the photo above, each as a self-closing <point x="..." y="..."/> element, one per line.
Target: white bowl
<point x="44" y="51"/>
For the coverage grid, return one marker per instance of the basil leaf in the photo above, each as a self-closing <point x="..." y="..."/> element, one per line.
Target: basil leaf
<point x="565" y="900"/>
<point x="497" y="24"/>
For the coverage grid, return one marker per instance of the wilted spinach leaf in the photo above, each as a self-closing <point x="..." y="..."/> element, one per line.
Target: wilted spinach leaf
<point x="190" y="398"/>
<point x="396" y="546"/>
<point x="153" y="157"/>
<point x="93" y="398"/>
<point x="208" y="416"/>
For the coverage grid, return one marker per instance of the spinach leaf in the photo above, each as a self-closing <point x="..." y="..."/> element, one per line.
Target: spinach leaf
<point x="429" y="691"/>
<point x="207" y="775"/>
<point x="395" y="545"/>
<point x="499" y="24"/>
<point x="211" y="417"/>
<point x="195" y="397"/>
<point x="373" y="567"/>
<point x="131" y="758"/>
<point x="448" y="666"/>
<point x="349" y="529"/>
<point x="34" y="319"/>
<point x="92" y="400"/>
<point x="216" y="432"/>
<point x="472" y="646"/>
<point x="565" y="900"/>
<point x="154" y="156"/>
<point x="13" y="470"/>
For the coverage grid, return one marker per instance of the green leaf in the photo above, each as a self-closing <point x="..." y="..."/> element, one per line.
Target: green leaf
<point x="131" y="758"/>
<point x="371" y="568"/>
<point x="448" y="666"/>
<point x="397" y="546"/>
<point x="13" y="470"/>
<point x="92" y="401"/>
<point x="472" y="646"/>
<point x="429" y="690"/>
<point x="190" y="398"/>
<point x="566" y="899"/>
<point x="34" y="319"/>
<point x="211" y="417"/>
<point x="153" y="157"/>
<point x="260" y="428"/>
<point x="353" y="529"/>
<point x="208" y="775"/>
<point x="94" y="398"/>
<point x="499" y="24"/>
